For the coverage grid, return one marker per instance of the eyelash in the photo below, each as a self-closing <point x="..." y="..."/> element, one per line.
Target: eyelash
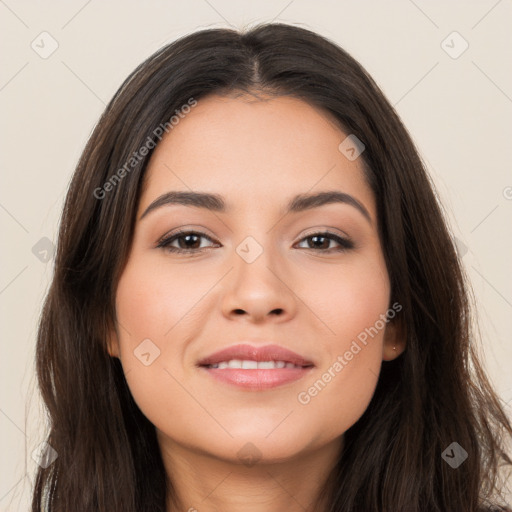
<point x="345" y="243"/>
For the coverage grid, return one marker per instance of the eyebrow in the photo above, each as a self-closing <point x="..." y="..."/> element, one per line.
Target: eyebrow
<point x="216" y="202"/>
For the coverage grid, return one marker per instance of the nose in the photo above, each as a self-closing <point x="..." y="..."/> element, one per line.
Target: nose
<point x="259" y="291"/>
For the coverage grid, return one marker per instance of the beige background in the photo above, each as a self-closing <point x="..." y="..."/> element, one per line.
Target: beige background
<point x="458" y="111"/>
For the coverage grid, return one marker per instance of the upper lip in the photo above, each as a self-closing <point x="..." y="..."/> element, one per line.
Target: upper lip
<point x="248" y="352"/>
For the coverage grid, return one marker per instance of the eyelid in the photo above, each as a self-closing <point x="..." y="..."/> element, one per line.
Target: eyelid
<point x="202" y="231"/>
<point x="329" y="230"/>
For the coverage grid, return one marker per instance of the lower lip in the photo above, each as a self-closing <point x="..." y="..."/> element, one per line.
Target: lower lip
<point x="258" y="379"/>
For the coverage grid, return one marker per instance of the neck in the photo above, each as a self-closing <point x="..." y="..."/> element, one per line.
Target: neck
<point x="203" y="483"/>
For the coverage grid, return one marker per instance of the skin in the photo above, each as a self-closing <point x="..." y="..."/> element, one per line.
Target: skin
<point x="257" y="153"/>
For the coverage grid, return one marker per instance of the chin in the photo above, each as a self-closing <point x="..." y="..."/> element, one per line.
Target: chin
<point x="249" y="448"/>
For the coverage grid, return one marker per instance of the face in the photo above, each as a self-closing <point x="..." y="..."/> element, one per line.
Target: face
<point x="310" y="279"/>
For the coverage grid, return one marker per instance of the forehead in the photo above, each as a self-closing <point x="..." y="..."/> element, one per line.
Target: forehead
<point x="254" y="151"/>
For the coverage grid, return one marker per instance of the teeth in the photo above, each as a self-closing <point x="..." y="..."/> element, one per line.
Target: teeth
<point x="253" y="365"/>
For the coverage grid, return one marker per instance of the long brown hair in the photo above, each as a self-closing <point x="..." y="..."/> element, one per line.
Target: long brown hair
<point x="434" y="394"/>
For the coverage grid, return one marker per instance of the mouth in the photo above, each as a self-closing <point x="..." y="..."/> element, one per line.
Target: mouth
<point x="245" y="354"/>
<point x="250" y="364"/>
<point x="256" y="368"/>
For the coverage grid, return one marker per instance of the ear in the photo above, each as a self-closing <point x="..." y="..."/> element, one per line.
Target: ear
<point x="112" y="341"/>
<point x="395" y="337"/>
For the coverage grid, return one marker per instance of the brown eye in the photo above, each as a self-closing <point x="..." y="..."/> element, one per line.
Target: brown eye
<point x="187" y="241"/>
<point x="320" y="242"/>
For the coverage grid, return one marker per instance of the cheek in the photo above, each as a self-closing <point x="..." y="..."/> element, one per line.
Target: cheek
<point x="351" y="299"/>
<point x="151" y="301"/>
<point x="351" y="306"/>
<point x="155" y="312"/>
<point x="143" y="319"/>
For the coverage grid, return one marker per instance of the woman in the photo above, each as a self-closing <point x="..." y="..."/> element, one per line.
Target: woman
<point x="256" y="303"/>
